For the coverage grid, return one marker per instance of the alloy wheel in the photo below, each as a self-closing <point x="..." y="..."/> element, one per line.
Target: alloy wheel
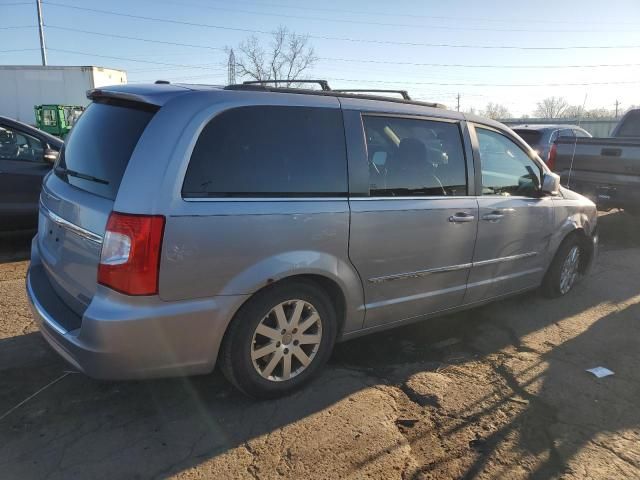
<point x="286" y="340"/>
<point x="569" y="271"/>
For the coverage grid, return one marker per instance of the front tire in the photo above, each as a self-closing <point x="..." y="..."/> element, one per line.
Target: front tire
<point x="564" y="270"/>
<point x="279" y="339"/>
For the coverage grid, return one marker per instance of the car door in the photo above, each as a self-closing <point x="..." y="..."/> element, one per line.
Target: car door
<point x="413" y="229"/>
<point x="515" y="220"/>
<point x="22" y="167"/>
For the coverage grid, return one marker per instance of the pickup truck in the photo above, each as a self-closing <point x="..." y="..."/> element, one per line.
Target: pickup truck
<point x="607" y="170"/>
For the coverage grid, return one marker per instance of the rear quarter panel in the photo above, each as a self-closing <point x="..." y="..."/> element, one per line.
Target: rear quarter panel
<point x="216" y="247"/>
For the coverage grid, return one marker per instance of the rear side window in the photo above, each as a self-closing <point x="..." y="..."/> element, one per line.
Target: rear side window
<point x="532" y="137"/>
<point x="413" y="157"/>
<point x="269" y="151"/>
<point x="567" y="133"/>
<point x="97" y="151"/>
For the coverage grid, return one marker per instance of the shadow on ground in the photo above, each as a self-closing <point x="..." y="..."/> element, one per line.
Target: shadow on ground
<point x="496" y="391"/>
<point x="15" y="246"/>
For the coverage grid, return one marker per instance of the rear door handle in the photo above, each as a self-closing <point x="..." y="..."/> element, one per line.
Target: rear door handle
<point x="461" y="217"/>
<point x="496" y="215"/>
<point x="611" y="152"/>
<point x="492" y="217"/>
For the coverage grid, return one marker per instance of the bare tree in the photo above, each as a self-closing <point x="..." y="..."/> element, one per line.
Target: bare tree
<point x="573" y="112"/>
<point x="601" y="112"/>
<point x="495" y="111"/>
<point x="285" y="57"/>
<point x="551" y="107"/>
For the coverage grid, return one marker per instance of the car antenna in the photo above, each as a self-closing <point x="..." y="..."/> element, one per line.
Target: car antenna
<point x="575" y="141"/>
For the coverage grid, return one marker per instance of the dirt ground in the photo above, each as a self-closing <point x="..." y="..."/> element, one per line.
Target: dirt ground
<point x="496" y="392"/>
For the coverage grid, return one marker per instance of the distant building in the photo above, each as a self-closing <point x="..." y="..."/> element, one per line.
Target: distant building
<point x="24" y="86"/>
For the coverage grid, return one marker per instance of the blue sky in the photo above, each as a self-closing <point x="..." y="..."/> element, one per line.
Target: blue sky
<point x="369" y="31"/>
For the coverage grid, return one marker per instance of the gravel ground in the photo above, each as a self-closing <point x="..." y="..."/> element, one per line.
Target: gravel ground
<point x="496" y="392"/>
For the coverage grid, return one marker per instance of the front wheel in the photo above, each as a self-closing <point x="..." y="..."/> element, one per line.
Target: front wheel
<point x="564" y="270"/>
<point x="279" y="340"/>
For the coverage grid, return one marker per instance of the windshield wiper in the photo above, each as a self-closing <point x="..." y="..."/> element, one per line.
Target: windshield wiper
<point x="84" y="176"/>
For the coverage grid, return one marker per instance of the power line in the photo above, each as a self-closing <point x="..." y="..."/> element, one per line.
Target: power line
<point x="344" y="39"/>
<point x="125" y="37"/>
<point x="163" y="69"/>
<point x="489" y="84"/>
<point x="389" y="82"/>
<point x="17" y="27"/>
<point x="353" y="60"/>
<point x="385" y="24"/>
<point x="127" y="59"/>
<point x="19" y="50"/>
<point x="412" y="15"/>
<point x="461" y="65"/>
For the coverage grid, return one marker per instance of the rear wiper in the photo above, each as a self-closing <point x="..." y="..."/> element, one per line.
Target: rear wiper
<point x="84" y="176"/>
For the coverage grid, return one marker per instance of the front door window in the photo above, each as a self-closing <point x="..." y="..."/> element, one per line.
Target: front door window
<point x="507" y="170"/>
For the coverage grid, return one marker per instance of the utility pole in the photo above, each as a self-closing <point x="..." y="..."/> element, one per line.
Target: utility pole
<point x="231" y="66"/>
<point x="617" y="105"/>
<point x="458" y="98"/>
<point x="43" y="48"/>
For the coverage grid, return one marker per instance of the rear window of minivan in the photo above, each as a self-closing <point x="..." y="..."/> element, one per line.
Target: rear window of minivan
<point x="532" y="137"/>
<point x="97" y="151"/>
<point x="269" y="151"/>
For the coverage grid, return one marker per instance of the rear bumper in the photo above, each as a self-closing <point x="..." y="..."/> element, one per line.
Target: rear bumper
<point x="607" y="196"/>
<point x="124" y="337"/>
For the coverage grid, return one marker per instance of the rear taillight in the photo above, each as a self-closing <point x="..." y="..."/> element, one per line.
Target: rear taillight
<point x="130" y="258"/>
<point x="551" y="158"/>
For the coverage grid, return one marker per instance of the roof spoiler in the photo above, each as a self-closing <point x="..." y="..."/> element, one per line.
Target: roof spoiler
<point x="105" y="96"/>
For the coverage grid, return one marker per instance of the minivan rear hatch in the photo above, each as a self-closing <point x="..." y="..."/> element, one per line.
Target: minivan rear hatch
<point x="78" y="196"/>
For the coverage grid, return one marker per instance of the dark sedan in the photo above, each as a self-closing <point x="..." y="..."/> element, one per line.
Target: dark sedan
<point x="26" y="156"/>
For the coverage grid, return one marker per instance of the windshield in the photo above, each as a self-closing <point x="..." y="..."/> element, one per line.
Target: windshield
<point x="98" y="149"/>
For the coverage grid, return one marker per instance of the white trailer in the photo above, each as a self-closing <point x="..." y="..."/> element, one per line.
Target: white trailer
<point x="24" y="86"/>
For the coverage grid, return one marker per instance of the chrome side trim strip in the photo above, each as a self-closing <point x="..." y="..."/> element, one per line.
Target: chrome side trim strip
<point x="409" y="197"/>
<point x="46" y="318"/>
<point x="58" y="220"/>
<point x="451" y="268"/>
<point x="504" y="277"/>
<point x="411" y="298"/>
<point x="420" y="273"/>
<point x="265" y="199"/>
<point x="324" y="199"/>
<point x="510" y="258"/>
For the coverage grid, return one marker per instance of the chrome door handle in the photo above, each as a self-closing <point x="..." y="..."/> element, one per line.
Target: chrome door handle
<point x="497" y="214"/>
<point x="493" y="217"/>
<point x="461" y="217"/>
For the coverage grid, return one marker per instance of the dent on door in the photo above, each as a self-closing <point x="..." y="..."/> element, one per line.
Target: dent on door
<point x="512" y="246"/>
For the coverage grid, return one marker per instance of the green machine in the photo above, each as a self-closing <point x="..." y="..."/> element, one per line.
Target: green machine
<point x="57" y="119"/>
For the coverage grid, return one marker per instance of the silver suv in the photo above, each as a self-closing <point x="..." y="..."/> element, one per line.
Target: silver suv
<point x="184" y="226"/>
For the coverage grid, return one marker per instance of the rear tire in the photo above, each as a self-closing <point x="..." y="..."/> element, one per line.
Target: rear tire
<point x="270" y="347"/>
<point x="564" y="270"/>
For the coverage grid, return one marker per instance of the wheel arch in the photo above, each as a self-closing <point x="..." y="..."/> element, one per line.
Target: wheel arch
<point x="583" y="234"/>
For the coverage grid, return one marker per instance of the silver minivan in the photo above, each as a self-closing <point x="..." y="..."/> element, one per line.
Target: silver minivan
<point x="185" y="226"/>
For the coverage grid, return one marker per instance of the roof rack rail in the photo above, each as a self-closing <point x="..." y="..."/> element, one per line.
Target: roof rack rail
<point x="403" y="93"/>
<point x="260" y="86"/>
<point x="323" y="83"/>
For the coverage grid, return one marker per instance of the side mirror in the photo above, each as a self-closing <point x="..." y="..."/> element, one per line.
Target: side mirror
<point x="550" y="183"/>
<point x="50" y="155"/>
